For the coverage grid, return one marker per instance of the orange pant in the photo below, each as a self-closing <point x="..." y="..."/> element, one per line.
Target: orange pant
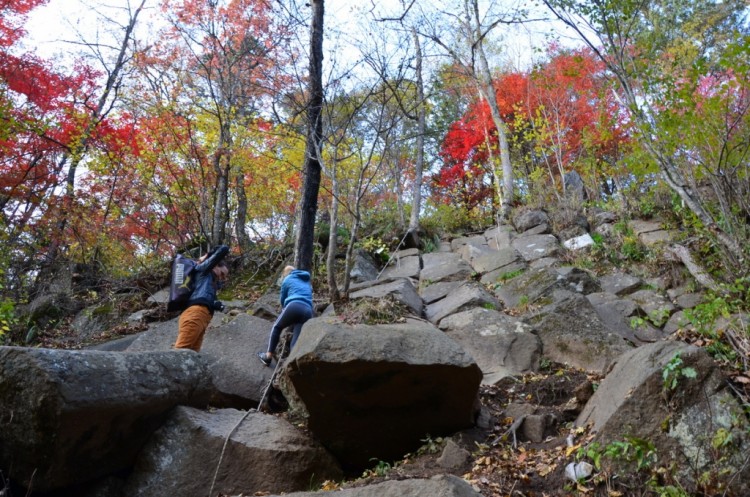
<point x="193" y="323"/>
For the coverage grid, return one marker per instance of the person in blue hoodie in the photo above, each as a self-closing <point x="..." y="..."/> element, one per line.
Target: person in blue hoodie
<point x="297" y="307"/>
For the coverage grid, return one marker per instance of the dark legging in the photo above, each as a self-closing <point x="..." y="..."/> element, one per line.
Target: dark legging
<point x="296" y="313"/>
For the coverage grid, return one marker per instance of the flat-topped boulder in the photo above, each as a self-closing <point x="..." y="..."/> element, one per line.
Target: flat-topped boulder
<point x="620" y="283"/>
<point x="465" y="296"/>
<point x="502" y="345"/>
<point x="495" y="259"/>
<point x="376" y="391"/>
<point x="499" y="237"/>
<point x="535" y="247"/>
<point x="537" y="286"/>
<point x="402" y="267"/>
<point x="399" y="290"/>
<point x="229" y="344"/>
<point x="478" y="241"/>
<point x="443" y="266"/>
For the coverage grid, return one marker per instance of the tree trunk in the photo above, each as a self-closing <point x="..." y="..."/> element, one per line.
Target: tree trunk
<point x="222" y="165"/>
<point x="487" y="91"/>
<point x="240" y="223"/>
<point x="416" y="201"/>
<point x="333" y="290"/>
<point x="312" y="169"/>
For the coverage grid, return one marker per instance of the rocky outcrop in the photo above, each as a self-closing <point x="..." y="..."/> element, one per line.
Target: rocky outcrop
<point x="399" y="290"/>
<point x="219" y="452"/>
<point x="573" y="334"/>
<point x="465" y="296"/>
<point x="505" y="304"/>
<point x="675" y="397"/>
<point x="228" y="348"/>
<point x="375" y="391"/>
<point x="438" y="486"/>
<point x="71" y="416"/>
<point x="502" y="345"/>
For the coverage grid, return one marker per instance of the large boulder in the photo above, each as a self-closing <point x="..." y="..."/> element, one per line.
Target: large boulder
<point x="247" y="452"/>
<point x="528" y="219"/>
<point x="620" y="283"/>
<point x="624" y="317"/>
<point x="437" y="486"/>
<point x="535" y="247"/>
<point x="502" y="345"/>
<point x="376" y="391"/>
<point x="399" y="290"/>
<point x="403" y="267"/>
<point x="443" y="266"/>
<point x="364" y="268"/>
<point x="696" y="424"/>
<point x="477" y="241"/>
<point x="229" y="347"/>
<point x="499" y="237"/>
<point x="537" y="286"/>
<point x="495" y="259"/>
<point x="573" y="334"/>
<point x="73" y="416"/>
<point x="655" y="305"/>
<point x="463" y="297"/>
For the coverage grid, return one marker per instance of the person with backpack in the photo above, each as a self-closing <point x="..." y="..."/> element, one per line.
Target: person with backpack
<point x="209" y="275"/>
<point x="297" y="307"/>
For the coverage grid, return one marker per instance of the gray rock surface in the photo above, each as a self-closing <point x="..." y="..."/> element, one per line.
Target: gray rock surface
<point x="437" y="486"/>
<point x="376" y="391"/>
<point x="71" y="416"/>
<point x="442" y="266"/>
<point x="402" y="267"/>
<point x="502" y="345"/>
<point x="228" y="348"/>
<point x="465" y="296"/>
<point x="264" y="453"/>
<point x="573" y="334"/>
<point x="682" y="422"/>
<point x="400" y="290"/>
<point x="528" y="219"/>
<point x="535" y="247"/>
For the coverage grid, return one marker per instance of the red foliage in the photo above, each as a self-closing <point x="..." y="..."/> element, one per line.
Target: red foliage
<point x="567" y="96"/>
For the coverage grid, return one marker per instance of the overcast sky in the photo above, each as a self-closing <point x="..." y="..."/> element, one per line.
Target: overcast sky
<point x="61" y="21"/>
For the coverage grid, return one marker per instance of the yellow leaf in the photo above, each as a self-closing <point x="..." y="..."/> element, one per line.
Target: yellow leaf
<point x="570" y="450"/>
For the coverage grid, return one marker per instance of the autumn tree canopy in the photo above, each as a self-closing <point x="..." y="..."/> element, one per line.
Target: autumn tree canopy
<point x="202" y="125"/>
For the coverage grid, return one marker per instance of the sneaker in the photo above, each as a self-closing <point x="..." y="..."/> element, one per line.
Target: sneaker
<point x="264" y="358"/>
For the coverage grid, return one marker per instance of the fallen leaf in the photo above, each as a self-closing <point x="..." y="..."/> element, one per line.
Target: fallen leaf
<point x="545" y="469"/>
<point x="572" y="449"/>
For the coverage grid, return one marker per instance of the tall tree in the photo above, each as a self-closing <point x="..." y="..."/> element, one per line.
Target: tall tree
<point x="470" y="54"/>
<point x="416" y="205"/>
<point x="304" y="247"/>
<point x="222" y="60"/>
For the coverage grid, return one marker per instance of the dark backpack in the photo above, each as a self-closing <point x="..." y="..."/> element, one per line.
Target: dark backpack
<point x="181" y="284"/>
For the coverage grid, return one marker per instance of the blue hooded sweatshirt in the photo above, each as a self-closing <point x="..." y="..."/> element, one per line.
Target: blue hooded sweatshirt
<point x="296" y="287"/>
